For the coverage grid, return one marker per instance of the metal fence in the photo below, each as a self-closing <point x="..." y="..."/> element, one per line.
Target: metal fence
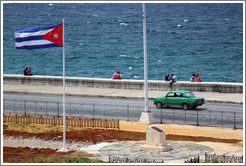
<point x="125" y="112"/>
<point x="223" y="158"/>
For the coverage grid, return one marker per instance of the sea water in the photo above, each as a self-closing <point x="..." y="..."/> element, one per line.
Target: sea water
<point x="102" y="38"/>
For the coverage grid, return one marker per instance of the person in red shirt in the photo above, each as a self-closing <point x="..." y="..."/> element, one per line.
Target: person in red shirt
<point x="118" y="76"/>
<point x="198" y="78"/>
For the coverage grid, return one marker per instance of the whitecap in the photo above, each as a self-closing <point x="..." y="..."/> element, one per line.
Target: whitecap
<point x="186" y="20"/>
<point x="120" y="20"/>
<point x="130" y="68"/>
<point x="123" y="24"/>
<point x="50" y="4"/>
<point x="123" y="55"/>
<point x="227" y="19"/>
<point x="95" y="15"/>
<point x="88" y="22"/>
<point x="136" y="77"/>
<point x="179" y="25"/>
<point x="159" y="61"/>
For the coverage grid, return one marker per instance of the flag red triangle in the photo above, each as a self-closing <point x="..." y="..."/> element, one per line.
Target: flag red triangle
<point x="55" y="35"/>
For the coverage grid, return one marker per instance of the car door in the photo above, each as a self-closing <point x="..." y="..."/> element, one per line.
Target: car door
<point x="179" y="98"/>
<point x="170" y="98"/>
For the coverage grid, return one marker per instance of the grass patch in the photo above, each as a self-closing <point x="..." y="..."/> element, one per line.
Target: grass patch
<point x="38" y="128"/>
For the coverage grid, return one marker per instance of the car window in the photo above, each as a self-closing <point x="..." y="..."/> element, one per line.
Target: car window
<point x="189" y="94"/>
<point x="170" y="94"/>
<point x="179" y="95"/>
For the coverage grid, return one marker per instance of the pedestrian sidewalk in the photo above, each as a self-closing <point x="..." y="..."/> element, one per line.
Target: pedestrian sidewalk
<point x="234" y="98"/>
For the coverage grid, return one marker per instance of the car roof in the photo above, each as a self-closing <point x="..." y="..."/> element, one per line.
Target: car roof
<point x="179" y="91"/>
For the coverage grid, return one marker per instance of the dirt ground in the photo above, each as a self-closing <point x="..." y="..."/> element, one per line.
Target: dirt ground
<point x="94" y="136"/>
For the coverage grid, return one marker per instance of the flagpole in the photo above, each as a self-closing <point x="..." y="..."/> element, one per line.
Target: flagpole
<point x="146" y="116"/>
<point x="145" y="60"/>
<point x="64" y="102"/>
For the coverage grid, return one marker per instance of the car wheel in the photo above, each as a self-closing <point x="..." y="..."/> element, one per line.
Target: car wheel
<point x="185" y="106"/>
<point x="158" y="105"/>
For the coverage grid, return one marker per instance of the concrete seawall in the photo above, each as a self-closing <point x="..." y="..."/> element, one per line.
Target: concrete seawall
<point x="123" y="84"/>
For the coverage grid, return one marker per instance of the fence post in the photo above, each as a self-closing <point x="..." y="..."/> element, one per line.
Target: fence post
<point x="127" y="112"/>
<point x="58" y="109"/>
<point x="173" y="115"/>
<point x="197" y="119"/>
<point x="35" y="107"/>
<point x="46" y="107"/>
<point x="93" y="113"/>
<point x="25" y="107"/>
<point x="161" y="115"/>
<point x="14" y="107"/>
<point x="222" y="118"/>
<point x="185" y="117"/>
<point x="70" y="108"/>
<point x="234" y="127"/>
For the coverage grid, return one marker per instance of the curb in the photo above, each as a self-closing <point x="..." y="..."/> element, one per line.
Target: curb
<point x="119" y="97"/>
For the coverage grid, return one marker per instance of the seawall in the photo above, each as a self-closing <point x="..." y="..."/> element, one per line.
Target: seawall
<point x="123" y="84"/>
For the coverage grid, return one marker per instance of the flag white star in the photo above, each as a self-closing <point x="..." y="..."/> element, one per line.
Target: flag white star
<point x="56" y="35"/>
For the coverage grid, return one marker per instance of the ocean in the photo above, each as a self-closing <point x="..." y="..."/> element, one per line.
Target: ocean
<point x="102" y="38"/>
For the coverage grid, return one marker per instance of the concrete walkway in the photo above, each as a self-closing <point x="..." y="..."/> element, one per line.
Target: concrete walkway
<point x="235" y="98"/>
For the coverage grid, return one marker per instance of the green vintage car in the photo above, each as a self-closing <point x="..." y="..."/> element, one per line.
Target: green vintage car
<point x="186" y="99"/>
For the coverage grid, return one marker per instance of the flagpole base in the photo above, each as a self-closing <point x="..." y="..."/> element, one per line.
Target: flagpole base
<point x="146" y="118"/>
<point x="63" y="150"/>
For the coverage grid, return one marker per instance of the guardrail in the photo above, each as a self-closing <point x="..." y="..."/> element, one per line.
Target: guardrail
<point x="124" y="84"/>
<point x="199" y="117"/>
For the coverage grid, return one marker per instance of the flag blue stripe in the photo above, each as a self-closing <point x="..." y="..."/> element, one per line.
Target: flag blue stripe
<point x="36" y="29"/>
<point x="38" y="46"/>
<point x="29" y="38"/>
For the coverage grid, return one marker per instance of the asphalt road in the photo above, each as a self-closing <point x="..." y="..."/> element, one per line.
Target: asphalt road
<point x="210" y="114"/>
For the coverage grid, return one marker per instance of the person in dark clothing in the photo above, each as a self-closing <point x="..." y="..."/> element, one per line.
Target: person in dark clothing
<point x="167" y="77"/>
<point x="25" y="72"/>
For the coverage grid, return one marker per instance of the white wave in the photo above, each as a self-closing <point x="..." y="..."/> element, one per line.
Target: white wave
<point x="95" y="15"/>
<point x="123" y="55"/>
<point x="136" y="77"/>
<point x="179" y="25"/>
<point x="88" y="22"/>
<point x="130" y="68"/>
<point x="159" y="61"/>
<point x="123" y="24"/>
<point x="186" y="20"/>
<point x="50" y="4"/>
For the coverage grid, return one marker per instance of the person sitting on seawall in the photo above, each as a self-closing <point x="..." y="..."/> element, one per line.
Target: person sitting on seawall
<point x="118" y="76"/>
<point x="29" y="72"/>
<point x="173" y="79"/>
<point x="114" y="75"/>
<point x="192" y="79"/>
<point x="25" y="72"/>
<point x="198" y="78"/>
<point x="167" y="78"/>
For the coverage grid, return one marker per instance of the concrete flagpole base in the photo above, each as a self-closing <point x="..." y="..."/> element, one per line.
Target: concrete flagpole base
<point x="146" y="118"/>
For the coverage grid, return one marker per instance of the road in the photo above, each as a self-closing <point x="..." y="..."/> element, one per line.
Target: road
<point x="210" y="114"/>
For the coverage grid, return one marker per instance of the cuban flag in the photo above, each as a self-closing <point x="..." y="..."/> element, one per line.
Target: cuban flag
<point x="35" y="38"/>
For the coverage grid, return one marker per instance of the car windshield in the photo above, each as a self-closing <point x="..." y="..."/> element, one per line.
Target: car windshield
<point x="190" y="94"/>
